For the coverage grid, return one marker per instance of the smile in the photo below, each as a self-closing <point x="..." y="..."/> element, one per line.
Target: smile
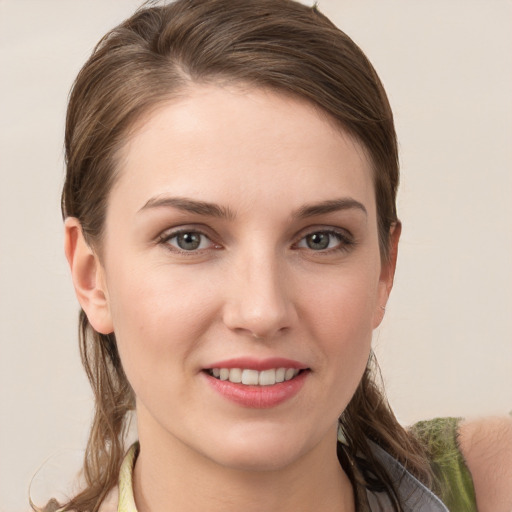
<point x="250" y="377"/>
<point x="257" y="389"/>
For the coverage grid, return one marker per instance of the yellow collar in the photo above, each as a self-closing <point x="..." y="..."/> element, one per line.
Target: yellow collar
<point x="126" y="500"/>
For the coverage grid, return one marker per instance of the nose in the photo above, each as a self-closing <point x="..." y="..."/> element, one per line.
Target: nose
<point x="260" y="301"/>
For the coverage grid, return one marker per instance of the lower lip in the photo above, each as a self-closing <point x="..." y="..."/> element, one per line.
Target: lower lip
<point x="258" y="397"/>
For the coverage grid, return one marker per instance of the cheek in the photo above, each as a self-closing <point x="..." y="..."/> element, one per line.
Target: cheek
<point x="159" y="317"/>
<point x="341" y="320"/>
<point x="343" y="306"/>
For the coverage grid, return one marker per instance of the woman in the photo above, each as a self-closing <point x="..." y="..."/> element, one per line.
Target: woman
<point x="232" y="235"/>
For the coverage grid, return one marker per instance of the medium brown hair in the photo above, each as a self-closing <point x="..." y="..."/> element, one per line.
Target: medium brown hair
<point x="158" y="53"/>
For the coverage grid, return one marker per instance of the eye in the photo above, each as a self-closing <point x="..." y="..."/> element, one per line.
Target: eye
<point x="324" y="240"/>
<point x="188" y="241"/>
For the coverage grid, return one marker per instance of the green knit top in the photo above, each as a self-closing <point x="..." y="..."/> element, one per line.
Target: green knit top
<point x="454" y="484"/>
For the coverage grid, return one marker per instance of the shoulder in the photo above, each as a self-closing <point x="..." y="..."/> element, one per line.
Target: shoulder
<point x="486" y="445"/>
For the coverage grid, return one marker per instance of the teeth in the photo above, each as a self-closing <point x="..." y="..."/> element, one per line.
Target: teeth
<point x="289" y="374"/>
<point x="250" y="377"/>
<point x="267" y="378"/>
<point x="254" y="377"/>
<point x="235" y="375"/>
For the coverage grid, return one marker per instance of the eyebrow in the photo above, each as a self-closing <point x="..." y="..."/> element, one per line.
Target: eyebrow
<point x="190" y="205"/>
<point x="329" y="206"/>
<point x="215" y="210"/>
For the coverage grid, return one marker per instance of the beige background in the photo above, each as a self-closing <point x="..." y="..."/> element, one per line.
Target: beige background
<point x="445" y="346"/>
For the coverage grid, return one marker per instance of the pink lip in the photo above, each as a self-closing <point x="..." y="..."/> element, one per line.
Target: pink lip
<point x="258" y="397"/>
<point x="258" y="364"/>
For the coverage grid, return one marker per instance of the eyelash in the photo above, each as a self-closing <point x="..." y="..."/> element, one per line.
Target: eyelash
<point x="345" y="241"/>
<point x="165" y="239"/>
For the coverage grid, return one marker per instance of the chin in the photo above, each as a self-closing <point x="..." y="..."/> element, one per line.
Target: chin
<point x="263" y="450"/>
<point x="258" y="460"/>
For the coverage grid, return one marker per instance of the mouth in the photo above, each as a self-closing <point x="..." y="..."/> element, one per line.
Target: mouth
<point x="251" y="377"/>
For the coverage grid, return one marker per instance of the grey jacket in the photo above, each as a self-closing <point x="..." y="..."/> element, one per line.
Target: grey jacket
<point x="414" y="495"/>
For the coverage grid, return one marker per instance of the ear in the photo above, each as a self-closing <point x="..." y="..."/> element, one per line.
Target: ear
<point x="387" y="273"/>
<point x="88" y="277"/>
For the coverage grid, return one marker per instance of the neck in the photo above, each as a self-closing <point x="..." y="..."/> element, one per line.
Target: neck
<point x="170" y="476"/>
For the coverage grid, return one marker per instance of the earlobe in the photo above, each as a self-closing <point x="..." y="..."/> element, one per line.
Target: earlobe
<point x="88" y="277"/>
<point x="387" y="273"/>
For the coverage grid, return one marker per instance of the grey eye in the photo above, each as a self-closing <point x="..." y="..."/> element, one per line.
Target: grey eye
<point x="318" y="241"/>
<point x="188" y="241"/>
<point x="321" y="240"/>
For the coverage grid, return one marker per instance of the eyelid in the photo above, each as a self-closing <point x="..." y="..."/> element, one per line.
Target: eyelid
<point x="167" y="235"/>
<point x="345" y="237"/>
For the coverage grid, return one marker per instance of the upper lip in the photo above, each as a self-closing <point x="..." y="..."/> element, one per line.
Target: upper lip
<point x="252" y="363"/>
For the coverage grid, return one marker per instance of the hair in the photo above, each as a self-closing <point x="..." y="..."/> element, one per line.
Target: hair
<point x="155" y="55"/>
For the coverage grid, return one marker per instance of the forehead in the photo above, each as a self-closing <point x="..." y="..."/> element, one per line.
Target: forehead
<point x="236" y="144"/>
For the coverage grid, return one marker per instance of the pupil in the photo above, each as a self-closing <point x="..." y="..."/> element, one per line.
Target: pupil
<point x="318" y="241"/>
<point x="189" y="241"/>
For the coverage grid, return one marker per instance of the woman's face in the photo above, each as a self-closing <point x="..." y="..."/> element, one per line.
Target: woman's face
<point x="241" y="239"/>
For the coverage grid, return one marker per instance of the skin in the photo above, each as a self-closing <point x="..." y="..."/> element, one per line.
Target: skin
<point x="486" y="444"/>
<point x="253" y="288"/>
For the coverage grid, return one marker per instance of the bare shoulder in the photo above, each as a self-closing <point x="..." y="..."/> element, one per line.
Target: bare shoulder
<point x="486" y="444"/>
